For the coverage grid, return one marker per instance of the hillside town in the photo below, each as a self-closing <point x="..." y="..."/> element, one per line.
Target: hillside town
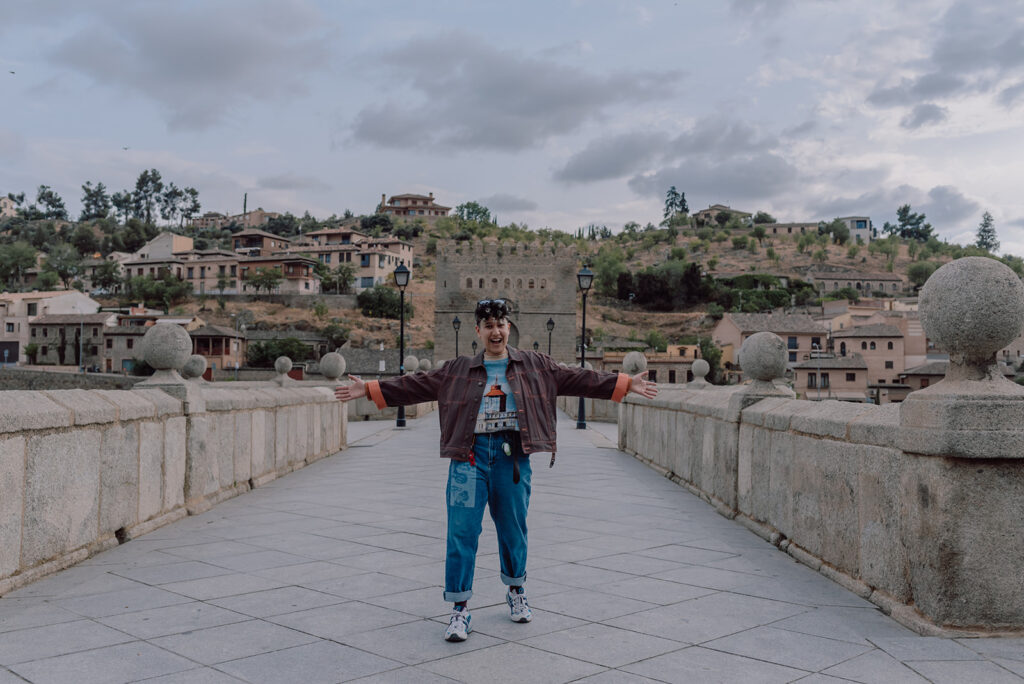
<point x="859" y="339"/>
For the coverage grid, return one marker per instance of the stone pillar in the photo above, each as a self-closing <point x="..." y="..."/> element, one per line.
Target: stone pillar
<point x="282" y="365"/>
<point x="167" y="348"/>
<point x="700" y="369"/>
<point x="763" y="359"/>
<point x="963" y="476"/>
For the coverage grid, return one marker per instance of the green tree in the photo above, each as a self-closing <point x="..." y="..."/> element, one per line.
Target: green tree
<point x="909" y="225"/>
<point x="15" y="259"/>
<point x="986" y="238"/>
<point x="223" y="281"/>
<point x="85" y="240"/>
<point x="31" y="350"/>
<point x="265" y="279"/>
<point x="473" y="211"/>
<point x="52" y="206"/>
<point x="47" y="280"/>
<point x="764" y="217"/>
<point x="123" y="204"/>
<point x="171" y="200"/>
<point x="710" y="352"/>
<point x="263" y="354"/>
<point x="65" y="261"/>
<point x="320" y="311"/>
<point x="759" y="234"/>
<point x="852" y="251"/>
<point x="148" y="189"/>
<point x="675" y="205"/>
<point x="821" y="256"/>
<point x="95" y="202"/>
<point x="335" y="334"/>
<point x="382" y="302"/>
<point x="162" y="292"/>
<point x="920" y="271"/>
<point x="107" y="276"/>
<point x="190" y="205"/>
<point x="739" y="242"/>
<point x="608" y="264"/>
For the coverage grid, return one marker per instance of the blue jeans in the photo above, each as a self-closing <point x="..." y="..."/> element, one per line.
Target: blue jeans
<point x="471" y="486"/>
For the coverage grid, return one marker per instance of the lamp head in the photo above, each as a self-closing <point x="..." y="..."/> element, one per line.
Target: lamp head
<point x="585" y="278"/>
<point x="402" y="274"/>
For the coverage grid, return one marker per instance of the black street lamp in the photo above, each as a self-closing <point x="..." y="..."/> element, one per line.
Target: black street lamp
<point x="585" y="278"/>
<point x="401" y="280"/>
<point x="456" y="324"/>
<point x="550" y="325"/>
<point x="536" y="345"/>
<point x="474" y="347"/>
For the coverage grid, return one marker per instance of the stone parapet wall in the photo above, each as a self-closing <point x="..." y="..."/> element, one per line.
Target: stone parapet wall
<point x="82" y="470"/>
<point x="23" y="379"/>
<point x="925" y="538"/>
<point x="600" y="410"/>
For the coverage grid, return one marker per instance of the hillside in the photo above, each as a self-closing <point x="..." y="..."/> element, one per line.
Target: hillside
<point x="606" y="317"/>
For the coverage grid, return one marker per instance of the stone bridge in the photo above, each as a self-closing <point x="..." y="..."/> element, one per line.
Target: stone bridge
<point x="713" y="534"/>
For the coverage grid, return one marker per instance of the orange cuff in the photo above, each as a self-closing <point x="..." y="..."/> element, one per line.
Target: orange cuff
<point x="621" y="387"/>
<point x="373" y="391"/>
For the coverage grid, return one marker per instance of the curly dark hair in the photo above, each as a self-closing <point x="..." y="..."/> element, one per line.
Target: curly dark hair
<point x="491" y="308"/>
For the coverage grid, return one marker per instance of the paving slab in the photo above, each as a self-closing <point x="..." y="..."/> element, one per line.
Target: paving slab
<point x="335" y="573"/>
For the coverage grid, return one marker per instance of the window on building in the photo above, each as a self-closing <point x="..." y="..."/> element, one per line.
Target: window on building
<point x="924" y="382"/>
<point x="888" y="364"/>
<point x="190" y="272"/>
<point x="812" y="380"/>
<point x="519" y="283"/>
<point x="42" y="350"/>
<point x="508" y="283"/>
<point x="872" y="345"/>
<point x="222" y="269"/>
<point x="890" y="345"/>
<point x="32" y="308"/>
<point x="45" y="332"/>
<point x="851" y="377"/>
<point x="863" y="345"/>
<point x="366" y="281"/>
<point x="543" y="283"/>
<point x="9" y="327"/>
<point x="824" y="380"/>
<point x="327" y="258"/>
<point x="792" y="356"/>
<point x="652" y="375"/>
<point x="842" y="349"/>
<point x="815" y="341"/>
<point x="94" y="350"/>
<point x="130" y="343"/>
<point x="110" y="343"/>
<point x="469" y="283"/>
<point x="791" y="343"/>
<point x="95" y="332"/>
<point x="364" y="260"/>
<point x="33" y="333"/>
<point x="480" y="283"/>
<point x="671" y="376"/>
<point x="530" y="284"/>
<point x="234" y="270"/>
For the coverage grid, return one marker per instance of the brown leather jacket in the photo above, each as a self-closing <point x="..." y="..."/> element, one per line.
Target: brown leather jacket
<point x="458" y="385"/>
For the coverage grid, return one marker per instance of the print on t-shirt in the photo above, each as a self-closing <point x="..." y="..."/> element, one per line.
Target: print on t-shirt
<point x="497" y="407"/>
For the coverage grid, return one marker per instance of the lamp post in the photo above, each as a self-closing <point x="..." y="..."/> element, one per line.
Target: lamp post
<point x="585" y="278"/>
<point x="401" y="280"/>
<point x="456" y="324"/>
<point x="474" y="347"/>
<point x="550" y="325"/>
<point x="536" y="345"/>
<point x="814" y="346"/>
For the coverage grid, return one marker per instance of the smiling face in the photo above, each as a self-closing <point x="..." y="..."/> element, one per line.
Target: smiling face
<point x="493" y="334"/>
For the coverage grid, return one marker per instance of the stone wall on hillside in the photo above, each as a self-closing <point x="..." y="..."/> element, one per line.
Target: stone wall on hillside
<point x="539" y="281"/>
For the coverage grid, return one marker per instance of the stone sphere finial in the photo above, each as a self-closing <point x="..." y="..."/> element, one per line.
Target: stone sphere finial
<point x="166" y="346"/>
<point x="634" y="362"/>
<point x="700" y="369"/>
<point x="282" y="365"/>
<point x="972" y="308"/>
<point x="763" y="356"/>
<point x="425" y="364"/>
<point x="194" y="367"/>
<point x="332" y="365"/>
<point x="411" y="364"/>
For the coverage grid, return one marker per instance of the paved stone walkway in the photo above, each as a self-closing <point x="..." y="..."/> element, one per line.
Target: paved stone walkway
<point x="334" y="574"/>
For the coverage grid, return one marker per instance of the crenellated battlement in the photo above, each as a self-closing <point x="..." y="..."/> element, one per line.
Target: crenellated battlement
<point x="474" y="252"/>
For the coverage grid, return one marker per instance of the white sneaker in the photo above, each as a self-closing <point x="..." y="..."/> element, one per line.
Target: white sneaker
<point x="458" y="625"/>
<point x="517" y="604"/>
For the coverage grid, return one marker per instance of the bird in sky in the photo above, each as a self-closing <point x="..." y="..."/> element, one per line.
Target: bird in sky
<point x="125" y="147"/>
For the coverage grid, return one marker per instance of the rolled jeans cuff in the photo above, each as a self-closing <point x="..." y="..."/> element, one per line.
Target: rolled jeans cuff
<point x="513" y="581"/>
<point x="457" y="596"/>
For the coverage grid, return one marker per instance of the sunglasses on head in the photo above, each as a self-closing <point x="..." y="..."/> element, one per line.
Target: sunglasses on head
<point x="489" y="302"/>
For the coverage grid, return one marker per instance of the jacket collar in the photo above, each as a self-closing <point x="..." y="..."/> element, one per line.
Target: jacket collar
<point x="514" y="356"/>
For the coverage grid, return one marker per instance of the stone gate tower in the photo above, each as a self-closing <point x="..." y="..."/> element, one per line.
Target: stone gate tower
<point x="539" y="282"/>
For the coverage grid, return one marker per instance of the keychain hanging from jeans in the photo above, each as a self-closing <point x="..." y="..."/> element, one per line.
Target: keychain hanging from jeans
<point x="507" y="448"/>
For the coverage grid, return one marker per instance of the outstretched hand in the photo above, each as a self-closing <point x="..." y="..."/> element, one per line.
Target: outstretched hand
<point x="348" y="392"/>
<point x="639" y="384"/>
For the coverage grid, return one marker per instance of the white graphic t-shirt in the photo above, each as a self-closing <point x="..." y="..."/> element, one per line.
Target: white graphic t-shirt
<point x="498" y="406"/>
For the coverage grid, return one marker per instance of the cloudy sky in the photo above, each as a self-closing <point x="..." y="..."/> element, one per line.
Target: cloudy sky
<point x="558" y="113"/>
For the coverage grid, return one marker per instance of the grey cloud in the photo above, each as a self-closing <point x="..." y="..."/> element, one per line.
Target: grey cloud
<point x="613" y="157"/>
<point x="464" y="93"/>
<point x="1016" y="223"/>
<point x="924" y="115"/>
<point x="199" y="61"/>
<point x="506" y="202"/>
<point x="1009" y="96"/>
<point x="948" y="206"/>
<point x="801" y="130"/>
<point x="12" y="146"/>
<point x="911" y="91"/>
<point x="737" y="179"/>
<point x="287" y="181"/>
<point x="721" y="136"/>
